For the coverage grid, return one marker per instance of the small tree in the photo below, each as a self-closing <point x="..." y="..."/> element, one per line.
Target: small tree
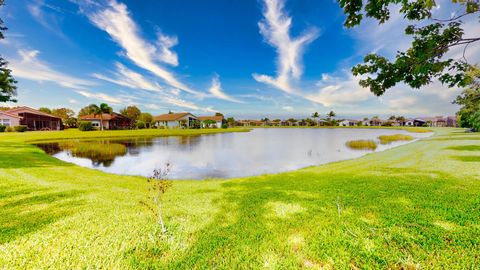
<point x="8" y="88"/>
<point x="315" y="115"/>
<point x="132" y="112"/>
<point x="159" y="184"/>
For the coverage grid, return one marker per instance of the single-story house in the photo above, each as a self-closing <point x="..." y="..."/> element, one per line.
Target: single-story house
<point x="176" y="120"/>
<point x="35" y="119"/>
<point x="110" y="121"/>
<point x="409" y="123"/>
<point x="348" y="123"/>
<point x="218" y="119"/>
<point x="9" y="120"/>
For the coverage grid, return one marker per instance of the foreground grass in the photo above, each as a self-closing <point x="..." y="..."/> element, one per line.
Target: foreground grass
<point x="415" y="206"/>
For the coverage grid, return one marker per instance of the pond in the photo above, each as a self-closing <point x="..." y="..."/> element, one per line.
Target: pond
<point x="224" y="155"/>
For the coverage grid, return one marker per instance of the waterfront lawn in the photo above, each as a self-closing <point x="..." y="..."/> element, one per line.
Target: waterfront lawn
<point x="415" y="206"/>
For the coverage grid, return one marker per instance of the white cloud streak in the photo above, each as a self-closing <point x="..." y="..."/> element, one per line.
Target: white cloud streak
<point x="217" y="91"/>
<point x="31" y="68"/>
<point x="275" y="28"/>
<point x="129" y="78"/>
<point x="116" y="21"/>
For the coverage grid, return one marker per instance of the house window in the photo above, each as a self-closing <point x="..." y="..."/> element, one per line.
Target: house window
<point x="5" y="122"/>
<point x="95" y="124"/>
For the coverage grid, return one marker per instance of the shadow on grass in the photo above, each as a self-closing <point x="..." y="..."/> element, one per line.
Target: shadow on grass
<point x="22" y="212"/>
<point x="464" y="148"/>
<point x="302" y="220"/>
<point x="467" y="158"/>
<point x="15" y="155"/>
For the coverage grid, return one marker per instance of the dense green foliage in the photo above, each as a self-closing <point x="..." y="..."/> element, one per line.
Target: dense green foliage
<point x="411" y="207"/>
<point x="132" y="112"/>
<point x="424" y="60"/>
<point x="140" y="124"/>
<point x="21" y="128"/>
<point x="85" y="126"/>
<point x="469" y="100"/>
<point x="2" y="128"/>
<point x="8" y="88"/>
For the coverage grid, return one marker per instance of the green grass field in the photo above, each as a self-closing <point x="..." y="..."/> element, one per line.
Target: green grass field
<point x="412" y="207"/>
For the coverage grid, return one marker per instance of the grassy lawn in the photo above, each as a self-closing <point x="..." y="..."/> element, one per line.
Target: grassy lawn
<point x="412" y="207"/>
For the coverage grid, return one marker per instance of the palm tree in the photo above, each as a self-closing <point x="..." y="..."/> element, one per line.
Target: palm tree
<point x="315" y="115"/>
<point x="96" y="110"/>
<point x="331" y="114"/>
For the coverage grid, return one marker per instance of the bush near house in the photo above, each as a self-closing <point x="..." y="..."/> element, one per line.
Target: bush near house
<point x="2" y="128"/>
<point x="10" y="129"/>
<point x="85" y="126"/>
<point x="21" y="128"/>
<point x="140" y="124"/>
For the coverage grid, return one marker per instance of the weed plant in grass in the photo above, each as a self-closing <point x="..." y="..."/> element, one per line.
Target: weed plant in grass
<point x="362" y="144"/>
<point x="386" y="139"/>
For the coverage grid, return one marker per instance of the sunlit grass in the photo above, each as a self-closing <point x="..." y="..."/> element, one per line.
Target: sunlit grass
<point x="362" y="144"/>
<point x="410" y="207"/>
<point x="386" y="139"/>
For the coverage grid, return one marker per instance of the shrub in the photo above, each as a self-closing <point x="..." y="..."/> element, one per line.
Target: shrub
<point x="85" y="126"/>
<point x="362" y="144"/>
<point x="140" y="124"/>
<point x="21" y="128"/>
<point x="224" y="125"/>
<point x="10" y="129"/>
<point x="385" y="139"/>
<point x="2" y="128"/>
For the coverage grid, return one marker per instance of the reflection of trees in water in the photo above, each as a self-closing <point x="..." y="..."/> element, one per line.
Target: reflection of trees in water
<point x="101" y="152"/>
<point x="104" y="151"/>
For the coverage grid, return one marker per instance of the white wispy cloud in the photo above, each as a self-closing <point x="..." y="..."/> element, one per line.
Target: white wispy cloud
<point x="275" y="28"/>
<point x="338" y="91"/>
<point x="129" y="78"/>
<point x="186" y="104"/>
<point x="102" y="97"/>
<point x="28" y="66"/>
<point x="117" y="22"/>
<point x="165" y="44"/>
<point x="288" y="108"/>
<point x="48" y="16"/>
<point x="217" y="91"/>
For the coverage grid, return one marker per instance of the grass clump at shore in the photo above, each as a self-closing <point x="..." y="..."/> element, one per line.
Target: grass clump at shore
<point x="409" y="207"/>
<point x="362" y="144"/>
<point x="386" y="139"/>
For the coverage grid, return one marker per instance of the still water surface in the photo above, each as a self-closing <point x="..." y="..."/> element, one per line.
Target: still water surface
<point x="223" y="155"/>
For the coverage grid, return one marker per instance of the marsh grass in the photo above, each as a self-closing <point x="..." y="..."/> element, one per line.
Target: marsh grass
<point x="362" y="144"/>
<point x="386" y="139"/>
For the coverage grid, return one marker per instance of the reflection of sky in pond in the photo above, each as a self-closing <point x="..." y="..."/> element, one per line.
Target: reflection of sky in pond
<point x="237" y="154"/>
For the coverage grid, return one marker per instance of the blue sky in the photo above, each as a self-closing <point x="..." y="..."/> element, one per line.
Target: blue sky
<point x="245" y="58"/>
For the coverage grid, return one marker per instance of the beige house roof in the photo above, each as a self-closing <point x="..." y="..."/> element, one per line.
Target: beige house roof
<point x="24" y="109"/>
<point x="171" y="116"/>
<point x="215" y="118"/>
<point x="10" y="115"/>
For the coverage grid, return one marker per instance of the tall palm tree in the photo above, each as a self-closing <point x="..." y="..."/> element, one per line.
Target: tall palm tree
<point x="315" y="115"/>
<point x="331" y="114"/>
<point x="100" y="110"/>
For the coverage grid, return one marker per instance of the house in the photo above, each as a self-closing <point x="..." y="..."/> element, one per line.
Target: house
<point x="9" y="120"/>
<point x="250" y="123"/>
<point x="218" y="119"/>
<point x="176" y="120"/>
<point x="409" y="123"/>
<point x="418" y="122"/>
<point x="348" y="123"/>
<point x="110" y="121"/>
<point x="33" y="119"/>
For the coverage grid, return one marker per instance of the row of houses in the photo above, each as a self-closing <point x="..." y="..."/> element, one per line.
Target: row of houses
<point x="438" y="121"/>
<point x="38" y="120"/>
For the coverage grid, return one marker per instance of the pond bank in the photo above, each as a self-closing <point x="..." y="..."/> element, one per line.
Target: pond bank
<point x="411" y="206"/>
